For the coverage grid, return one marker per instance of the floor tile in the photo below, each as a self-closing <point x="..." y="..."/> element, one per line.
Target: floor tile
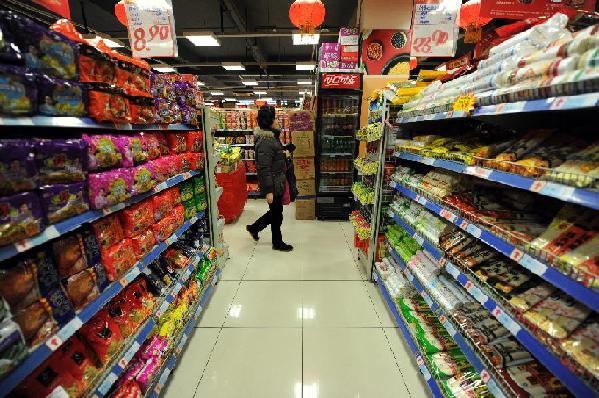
<point x="266" y="304"/>
<point x="337" y="304"/>
<point x="336" y="265"/>
<point x="407" y="364"/>
<point x="267" y="264"/>
<point x="188" y="372"/>
<point x="380" y="305"/>
<point x="248" y="363"/>
<point x="350" y="362"/>
<point x="218" y="307"/>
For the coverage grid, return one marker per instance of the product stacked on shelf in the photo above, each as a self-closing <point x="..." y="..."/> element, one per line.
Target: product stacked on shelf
<point x="301" y="125"/>
<point x="341" y="56"/>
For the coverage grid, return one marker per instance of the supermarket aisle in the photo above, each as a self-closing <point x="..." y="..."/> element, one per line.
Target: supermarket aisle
<point x="278" y="321"/>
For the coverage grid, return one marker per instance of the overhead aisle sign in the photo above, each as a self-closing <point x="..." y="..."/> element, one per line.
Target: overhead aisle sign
<point x="435" y="28"/>
<point x="151" y="28"/>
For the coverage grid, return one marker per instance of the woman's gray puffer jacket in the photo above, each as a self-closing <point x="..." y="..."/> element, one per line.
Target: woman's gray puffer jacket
<point x="270" y="162"/>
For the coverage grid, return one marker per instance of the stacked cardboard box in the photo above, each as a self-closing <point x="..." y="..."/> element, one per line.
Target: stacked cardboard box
<point x="301" y="124"/>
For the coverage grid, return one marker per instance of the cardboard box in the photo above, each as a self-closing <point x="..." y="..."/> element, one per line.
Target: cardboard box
<point x="305" y="209"/>
<point x="304" y="143"/>
<point x="304" y="168"/>
<point x="306" y="187"/>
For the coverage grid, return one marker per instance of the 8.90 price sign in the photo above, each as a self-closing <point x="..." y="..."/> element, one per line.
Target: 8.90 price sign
<point x="151" y="28"/>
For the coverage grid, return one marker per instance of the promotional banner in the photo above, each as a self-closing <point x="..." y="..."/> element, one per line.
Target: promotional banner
<point x="342" y="81"/>
<point x="61" y="7"/>
<point x="386" y="52"/>
<point x="522" y="9"/>
<point x="435" y="28"/>
<point x="151" y="28"/>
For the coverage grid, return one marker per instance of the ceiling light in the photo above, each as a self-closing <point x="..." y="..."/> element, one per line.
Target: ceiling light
<point x="260" y="92"/>
<point x="216" y="93"/>
<point x="230" y="100"/>
<point x="202" y="39"/>
<point x="199" y="83"/>
<point x="233" y="66"/>
<point x="266" y="99"/>
<point x="305" y="66"/>
<point x="249" y="82"/>
<point x="306" y="92"/>
<point x="165" y="69"/>
<point x="304" y="82"/>
<point x="305" y="40"/>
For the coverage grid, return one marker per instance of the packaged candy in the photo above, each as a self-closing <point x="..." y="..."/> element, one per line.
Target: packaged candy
<point x="154" y="348"/>
<point x="143" y="178"/>
<point x="124" y="146"/>
<point x="60" y="97"/>
<point x="134" y="76"/>
<point x="162" y="203"/>
<point x="151" y="144"/>
<point x="177" y="142"/>
<point x="77" y="359"/>
<point x="175" y="195"/>
<point x="175" y="165"/>
<point x="107" y="105"/>
<point x="61" y="201"/>
<point x="190" y="209"/>
<point x="161" y="169"/>
<point x="81" y="288"/>
<point x="118" y="259"/>
<point x="200" y="202"/>
<point x="19" y="286"/>
<point x="102" y="152"/>
<point x="141" y="110"/>
<point x="108" y="231"/>
<point x="194" y="141"/>
<point x="20" y="217"/>
<point x="69" y="255"/>
<point x="583" y="346"/>
<point x="176" y="258"/>
<point x="61" y="161"/>
<point x="103" y="336"/>
<point x="95" y="66"/>
<point x="48" y="380"/>
<point x="18" y="93"/>
<point x="129" y="389"/>
<point x="137" y="218"/>
<point x="146" y="373"/>
<point x="178" y="215"/>
<point x="187" y="189"/>
<point x="140" y="301"/>
<point x="557" y="315"/>
<point x="163" y="229"/>
<point x="119" y="311"/>
<point x="143" y="243"/>
<point x="505" y="352"/>
<point x="167" y="112"/>
<point x="163" y="142"/>
<point x="109" y="187"/>
<point x="199" y="185"/>
<point x="17" y="166"/>
<point x="12" y="346"/>
<point x="36" y="322"/>
<point x="530" y="297"/>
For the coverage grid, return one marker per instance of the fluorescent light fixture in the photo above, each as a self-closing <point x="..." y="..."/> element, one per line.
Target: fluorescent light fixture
<point x="200" y="84"/>
<point x="304" y="82"/>
<point x="202" y="39"/>
<point x="267" y="99"/>
<point x="306" y="92"/>
<point x="249" y="82"/>
<point x="260" y="92"/>
<point x="305" y="66"/>
<point x="233" y="66"/>
<point x="165" y="69"/>
<point x="230" y="99"/>
<point x="216" y="93"/>
<point x="305" y="40"/>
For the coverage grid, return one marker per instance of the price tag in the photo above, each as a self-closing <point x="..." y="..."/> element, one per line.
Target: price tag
<point x="421" y="200"/>
<point x="558" y="103"/>
<point x="419" y="239"/>
<point x="452" y="270"/>
<point x="410" y="276"/>
<point x="442" y="261"/>
<point x="464" y="103"/>
<point x="507" y="321"/>
<point x="449" y="216"/>
<point x="107" y="383"/>
<point x="448" y="326"/>
<point x="533" y="265"/>
<point x="485" y="376"/>
<point x="433" y="40"/>
<point x="54" y="342"/>
<point x="151" y="28"/>
<point x="51" y="232"/>
<point x="464" y="225"/>
<point x="419" y="360"/>
<point x="474" y="230"/>
<point x="557" y="190"/>
<point x="499" y="108"/>
<point x="537" y="186"/>
<point x="469" y="285"/>
<point x="516" y="254"/>
<point x="70" y="328"/>
<point x="427" y="299"/>
<point x="23" y="245"/>
<point x="478" y="295"/>
<point x="187" y="175"/>
<point x="428" y="161"/>
<point x="483" y="173"/>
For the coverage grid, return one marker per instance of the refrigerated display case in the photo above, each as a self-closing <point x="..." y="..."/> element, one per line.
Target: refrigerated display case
<point x="338" y="118"/>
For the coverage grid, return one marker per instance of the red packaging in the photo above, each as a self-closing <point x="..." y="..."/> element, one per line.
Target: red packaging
<point x="47" y="378"/>
<point x="129" y="389"/>
<point x="108" y="231"/>
<point x="118" y="259"/>
<point x="175" y="195"/>
<point x="162" y="204"/>
<point x="174" y="164"/>
<point x="178" y="215"/>
<point x="141" y="110"/>
<point x="177" y="142"/>
<point x="164" y="228"/>
<point x="120" y="313"/>
<point x="36" y="322"/>
<point x="137" y="218"/>
<point x="193" y="140"/>
<point x="151" y="144"/>
<point x="196" y="160"/>
<point x="103" y="336"/>
<point x="104" y="106"/>
<point x="163" y="142"/>
<point x="161" y="169"/>
<point x="143" y="243"/>
<point x="95" y="67"/>
<point x="139" y="300"/>
<point x="77" y="359"/>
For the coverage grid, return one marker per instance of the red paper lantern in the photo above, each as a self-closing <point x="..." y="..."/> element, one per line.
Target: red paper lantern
<point x="470" y="14"/>
<point x="307" y="14"/>
<point x="119" y="11"/>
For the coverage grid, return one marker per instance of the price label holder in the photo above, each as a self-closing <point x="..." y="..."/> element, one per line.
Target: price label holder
<point x="506" y="321"/>
<point x="464" y="103"/>
<point x="151" y="28"/>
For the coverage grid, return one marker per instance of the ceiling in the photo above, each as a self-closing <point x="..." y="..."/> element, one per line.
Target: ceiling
<point x="254" y="32"/>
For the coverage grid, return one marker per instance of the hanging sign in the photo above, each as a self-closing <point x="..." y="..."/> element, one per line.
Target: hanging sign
<point x="523" y="9"/>
<point x="343" y="81"/>
<point x="61" y="7"/>
<point x="435" y="28"/>
<point x="151" y="28"/>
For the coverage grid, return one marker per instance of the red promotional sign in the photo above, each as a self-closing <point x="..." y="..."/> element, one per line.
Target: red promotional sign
<point x="61" y="7"/>
<point x="343" y="81"/>
<point x="522" y="9"/>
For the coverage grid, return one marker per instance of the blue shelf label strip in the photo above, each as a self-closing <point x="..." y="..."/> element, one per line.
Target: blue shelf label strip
<point x="86" y="122"/>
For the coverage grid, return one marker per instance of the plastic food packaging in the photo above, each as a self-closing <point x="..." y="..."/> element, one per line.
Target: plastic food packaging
<point x="108" y="105"/>
<point x="449" y="363"/>
<point x="151" y="145"/>
<point x="36" y="322"/>
<point x="143" y="177"/>
<point x="95" y="66"/>
<point x="17" y="166"/>
<point x="12" y="346"/>
<point x="69" y="255"/>
<point x="102" y="152"/>
<point x="178" y="216"/>
<point x="60" y="97"/>
<point x="141" y="110"/>
<point x="583" y="346"/>
<point x="162" y="203"/>
<point x="118" y="259"/>
<point x="18" y="93"/>
<point x="20" y="217"/>
<point x="143" y="243"/>
<point x="154" y="348"/>
<point x="129" y="389"/>
<point x="109" y="187"/>
<point x="557" y="315"/>
<point x="81" y="288"/>
<point x="103" y="336"/>
<point x="108" y="231"/>
<point x="61" y="161"/>
<point x="530" y="297"/>
<point x="120" y="313"/>
<point x="48" y="380"/>
<point x="137" y="218"/>
<point x="18" y="285"/>
<point x="194" y="141"/>
<point x="164" y="228"/>
<point x="78" y="360"/>
<point x="61" y="201"/>
<point x="177" y="142"/>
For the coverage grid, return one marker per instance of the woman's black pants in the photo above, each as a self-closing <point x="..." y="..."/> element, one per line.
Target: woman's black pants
<point x="274" y="218"/>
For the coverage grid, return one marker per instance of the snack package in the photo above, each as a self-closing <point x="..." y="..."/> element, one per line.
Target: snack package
<point x="60" y="97"/>
<point x="164" y="228"/>
<point x="583" y="346"/>
<point x="143" y="243"/>
<point x="174" y="164"/>
<point x="151" y="144"/>
<point x="558" y="315"/>
<point x="141" y="302"/>
<point x="162" y="203"/>
<point x="449" y="363"/>
<point x="200" y="202"/>
<point x="177" y="142"/>
<point x="61" y="161"/>
<point x="176" y="258"/>
<point x="12" y="346"/>
<point x="18" y="93"/>
<point x="137" y="218"/>
<point x="141" y="110"/>
<point x="178" y="216"/>
<point x="20" y="217"/>
<point x="36" y="322"/>
<point x="103" y="336"/>
<point x="95" y="66"/>
<point x="186" y="189"/>
<point x="199" y="185"/>
<point x="69" y="255"/>
<point x="194" y="141"/>
<point x="190" y="209"/>
<point x="108" y="231"/>
<point x="78" y="360"/>
<point x="17" y="166"/>
<point x="118" y="259"/>
<point x="49" y="381"/>
<point x="61" y="201"/>
<point x="153" y="348"/>
<point x="531" y="297"/>
<point x="143" y="178"/>
<point x="108" y="105"/>
<point x="19" y="286"/>
<point x="109" y="187"/>
<point x="506" y="352"/>
<point x="102" y="152"/>
<point x="82" y="288"/>
<point x="123" y="145"/>
<point x="129" y="389"/>
<point x="119" y="311"/>
<point x="175" y="195"/>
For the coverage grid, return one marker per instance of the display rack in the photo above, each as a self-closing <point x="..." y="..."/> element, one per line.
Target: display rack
<point x="87" y="123"/>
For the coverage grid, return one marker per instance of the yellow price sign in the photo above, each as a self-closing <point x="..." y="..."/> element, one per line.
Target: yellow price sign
<point x="464" y="103"/>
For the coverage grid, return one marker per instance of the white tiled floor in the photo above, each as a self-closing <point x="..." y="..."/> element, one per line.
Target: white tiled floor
<point x="303" y="324"/>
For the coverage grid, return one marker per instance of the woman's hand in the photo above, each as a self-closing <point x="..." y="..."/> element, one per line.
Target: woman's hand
<point x="269" y="198"/>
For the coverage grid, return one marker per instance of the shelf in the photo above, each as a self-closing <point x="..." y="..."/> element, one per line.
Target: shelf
<point x="563" y="192"/>
<point x="55" y="230"/>
<point x="433" y="117"/>
<point x="234" y="131"/>
<point x="170" y="364"/>
<point x="575" y="289"/>
<point x="340" y="114"/>
<point x="255" y="194"/>
<point x="337" y="136"/>
<point x="239" y="144"/>
<point x="469" y="353"/>
<point x="430" y="381"/>
<point x="336" y="172"/>
<point x="435" y="252"/>
<point x="43" y="351"/>
<point x="335" y="154"/>
<point x="87" y="123"/>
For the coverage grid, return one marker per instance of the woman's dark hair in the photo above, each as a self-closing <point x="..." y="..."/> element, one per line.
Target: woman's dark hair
<point x="266" y="117"/>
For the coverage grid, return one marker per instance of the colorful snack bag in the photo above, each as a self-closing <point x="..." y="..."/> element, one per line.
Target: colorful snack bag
<point x="18" y="285"/>
<point x="12" y="345"/>
<point x="123" y="145"/>
<point x="104" y="105"/>
<point x="118" y="259"/>
<point x="77" y="359"/>
<point x="109" y="187"/>
<point x="103" y="336"/>
<point x="138" y="149"/>
<point x="82" y="288"/>
<point x="187" y="189"/>
<point x="190" y="209"/>
<point x="69" y="255"/>
<point x="102" y="152"/>
<point x="61" y="161"/>
<point x="194" y="141"/>
<point x="95" y="66"/>
<point x="20" y="217"/>
<point x="175" y="195"/>
<point x="119" y="312"/>
<point x="151" y="145"/>
<point x="199" y="185"/>
<point x="163" y="229"/>
<point x="60" y="97"/>
<point x="137" y="218"/>
<point x="129" y="389"/>
<point x="36" y="322"/>
<point x="177" y="142"/>
<point x="139" y="299"/>
<point x="17" y="166"/>
<point x="178" y="215"/>
<point x="61" y="201"/>
<point x="162" y="203"/>
<point x="48" y="380"/>
<point x="108" y="231"/>
<point x="161" y="169"/>
<point x="143" y="243"/>
<point x="142" y="110"/>
<point x="18" y="93"/>
<point x="143" y="178"/>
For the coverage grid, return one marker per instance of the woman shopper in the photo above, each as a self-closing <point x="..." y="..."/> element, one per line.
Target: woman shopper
<point x="271" y="168"/>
